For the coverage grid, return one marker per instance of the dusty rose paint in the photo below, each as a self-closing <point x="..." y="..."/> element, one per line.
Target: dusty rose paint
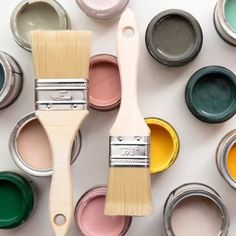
<point x="102" y="9"/>
<point x="90" y="218"/>
<point x="104" y="82"/>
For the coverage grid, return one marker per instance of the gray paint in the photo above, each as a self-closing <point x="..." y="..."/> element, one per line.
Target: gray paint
<point x="2" y="77"/>
<point x="174" y="37"/>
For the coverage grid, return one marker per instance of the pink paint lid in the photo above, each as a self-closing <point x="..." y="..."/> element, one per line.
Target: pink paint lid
<point x="102" y="9"/>
<point x="104" y="82"/>
<point x="90" y="218"/>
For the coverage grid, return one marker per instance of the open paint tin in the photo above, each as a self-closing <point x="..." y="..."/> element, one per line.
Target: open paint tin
<point x="225" y="20"/>
<point x="90" y="218"/>
<point x="164" y="146"/>
<point x="30" y="148"/>
<point x="102" y="10"/>
<point x="104" y="82"/>
<point x="211" y="94"/>
<point x="11" y="80"/>
<point x="195" y="209"/>
<point x="174" y="37"/>
<point x="226" y="158"/>
<point x="17" y="199"/>
<point x="31" y="15"/>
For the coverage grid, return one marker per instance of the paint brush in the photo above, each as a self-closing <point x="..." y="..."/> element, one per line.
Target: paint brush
<point x="129" y="190"/>
<point x="61" y="61"/>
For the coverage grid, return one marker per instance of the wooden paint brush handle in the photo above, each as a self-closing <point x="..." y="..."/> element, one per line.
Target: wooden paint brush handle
<point x="129" y="121"/>
<point x="61" y="130"/>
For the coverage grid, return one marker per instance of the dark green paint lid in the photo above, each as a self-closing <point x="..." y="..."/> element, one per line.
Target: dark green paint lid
<point x="211" y="94"/>
<point x="174" y="37"/>
<point x="16" y="200"/>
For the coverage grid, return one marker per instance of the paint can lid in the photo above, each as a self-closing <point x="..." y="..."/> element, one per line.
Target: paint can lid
<point x="174" y="37"/>
<point x="211" y="94"/>
<point x="16" y="200"/>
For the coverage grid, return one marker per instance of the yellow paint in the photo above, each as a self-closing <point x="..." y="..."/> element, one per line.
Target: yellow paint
<point x="164" y="145"/>
<point x="231" y="161"/>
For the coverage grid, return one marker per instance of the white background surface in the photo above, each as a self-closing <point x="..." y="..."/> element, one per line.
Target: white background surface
<point x="161" y="94"/>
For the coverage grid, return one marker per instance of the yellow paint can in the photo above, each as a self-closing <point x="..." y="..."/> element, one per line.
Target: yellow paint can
<point x="164" y="145"/>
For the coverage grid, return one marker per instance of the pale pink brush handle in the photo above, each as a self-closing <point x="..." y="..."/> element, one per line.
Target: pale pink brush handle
<point x="129" y="121"/>
<point x="61" y="128"/>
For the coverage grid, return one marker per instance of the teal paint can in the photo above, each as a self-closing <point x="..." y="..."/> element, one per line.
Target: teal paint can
<point x="211" y="94"/>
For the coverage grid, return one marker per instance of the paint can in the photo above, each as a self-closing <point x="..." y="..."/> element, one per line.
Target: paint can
<point x="211" y="94"/>
<point x="195" y="192"/>
<point x="226" y="157"/>
<point x="164" y="144"/>
<point x="30" y="148"/>
<point x="11" y="80"/>
<point x="102" y="10"/>
<point x="17" y="199"/>
<point x="169" y="45"/>
<point x="89" y="215"/>
<point x="31" y="15"/>
<point x="104" y="82"/>
<point x="225" y="20"/>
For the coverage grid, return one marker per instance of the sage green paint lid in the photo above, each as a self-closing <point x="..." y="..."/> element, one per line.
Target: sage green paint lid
<point x="174" y="37"/>
<point x="211" y="94"/>
<point x="16" y="200"/>
<point x="230" y="9"/>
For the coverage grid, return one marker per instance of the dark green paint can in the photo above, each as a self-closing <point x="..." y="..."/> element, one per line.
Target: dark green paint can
<point x="211" y="94"/>
<point x="174" y="37"/>
<point x="17" y="199"/>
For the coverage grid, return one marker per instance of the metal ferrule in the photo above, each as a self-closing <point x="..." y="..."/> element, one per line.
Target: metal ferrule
<point x="61" y="94"/>
<point x="129" y="151"/>
<point x="185" y="191"/>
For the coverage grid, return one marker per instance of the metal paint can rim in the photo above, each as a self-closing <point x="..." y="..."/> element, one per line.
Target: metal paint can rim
<point x="192" y="54"/>
<point x="105" y="14"/>
<point x="13" y="80"/>
<point x="99" y="190"/>
<point x="64" y="21"/>
<point x="222" y="154"/>
<point x="12" y="144"/>
<point x="221" y="25"/>
<point x="189" y="190"/>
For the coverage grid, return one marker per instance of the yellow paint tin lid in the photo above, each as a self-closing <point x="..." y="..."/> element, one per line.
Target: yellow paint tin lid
<point x="164" y="144"/>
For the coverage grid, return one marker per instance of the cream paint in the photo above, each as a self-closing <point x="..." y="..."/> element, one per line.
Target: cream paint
<point x="101" y="4"/>
<point x="36" y="16"/>
<point x="33" y="146"/>
<point x="196" y="216"/>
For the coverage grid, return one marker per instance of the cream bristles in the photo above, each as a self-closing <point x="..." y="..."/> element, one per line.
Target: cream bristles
<point x="129" y="192"/>
<point x="59" y="54"/>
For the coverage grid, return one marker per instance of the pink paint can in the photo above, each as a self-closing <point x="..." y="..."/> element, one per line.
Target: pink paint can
<point x="104" y="82"/>
<point x="90" y="218"/>
<point x="102" y="9"/>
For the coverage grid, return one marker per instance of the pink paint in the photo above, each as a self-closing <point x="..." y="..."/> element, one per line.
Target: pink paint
<point x="101" y="4"/>
<point x="104" y="82"/>
<point x="90" y="218"/>
<point x="102" y="9"/>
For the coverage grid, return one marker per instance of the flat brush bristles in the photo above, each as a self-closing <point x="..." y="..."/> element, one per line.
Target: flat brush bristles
<point x="129" y="192"/>
<point x="61" y="54"/>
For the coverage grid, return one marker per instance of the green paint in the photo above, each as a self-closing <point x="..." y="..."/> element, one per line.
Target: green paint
<point x="11" y="201"/>
<point x="230" y="13"/>
<point x="213" y="95"/>
<point x="2" y="77"/>
<point x="16" y="200"/>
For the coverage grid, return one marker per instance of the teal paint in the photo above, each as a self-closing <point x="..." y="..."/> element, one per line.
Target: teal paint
<point x="2" y="76"/>
<point x="230" y="13"/>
